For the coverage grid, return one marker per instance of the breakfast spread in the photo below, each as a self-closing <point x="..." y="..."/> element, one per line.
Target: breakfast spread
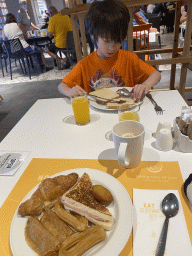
<point x="111" y="99"/>
<point x="62" y="228"/>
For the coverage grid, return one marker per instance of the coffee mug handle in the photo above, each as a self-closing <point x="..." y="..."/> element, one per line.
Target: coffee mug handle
<point x="121" y="155"/>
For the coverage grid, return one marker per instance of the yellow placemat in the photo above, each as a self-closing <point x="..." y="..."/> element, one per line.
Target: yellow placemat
<point x="149" y="175"/>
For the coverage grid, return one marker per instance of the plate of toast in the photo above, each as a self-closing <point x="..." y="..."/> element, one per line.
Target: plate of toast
<point x="62" y="216"/>
<point x="108" y="99"/>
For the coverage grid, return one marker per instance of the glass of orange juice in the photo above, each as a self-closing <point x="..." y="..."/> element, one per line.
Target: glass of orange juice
<point x="129" y="112"/>
<point x="80" y="106"/>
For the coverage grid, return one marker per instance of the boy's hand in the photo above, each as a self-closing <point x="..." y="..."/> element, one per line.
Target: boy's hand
<point x="139" y="91"/>
<point x="76" y="90"/>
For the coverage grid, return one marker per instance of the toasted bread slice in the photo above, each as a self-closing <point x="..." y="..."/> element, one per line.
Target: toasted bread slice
<point x="101" y="101"/>
<point x="113" y="105"/>
<point x="82" y="193"/>
<point x="81" y="200"/>
<point x="105" y="93"/>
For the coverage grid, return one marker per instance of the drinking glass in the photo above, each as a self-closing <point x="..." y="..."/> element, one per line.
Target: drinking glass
<point x="80" y="106"/>
<point x="129" y="112"/>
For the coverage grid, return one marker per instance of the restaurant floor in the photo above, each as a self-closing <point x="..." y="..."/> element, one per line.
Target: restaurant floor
<point x="21" y="93"/>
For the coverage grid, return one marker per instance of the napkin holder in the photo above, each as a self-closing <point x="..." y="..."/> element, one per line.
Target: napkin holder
<point x="183" y="142"/>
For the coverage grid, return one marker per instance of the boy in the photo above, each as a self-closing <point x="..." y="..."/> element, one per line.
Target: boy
<point x="107" y="22"/>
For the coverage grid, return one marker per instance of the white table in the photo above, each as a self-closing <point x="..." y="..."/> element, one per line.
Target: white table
<point x="43" y="132"/>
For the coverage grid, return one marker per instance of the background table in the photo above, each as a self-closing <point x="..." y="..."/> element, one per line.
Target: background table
<point x="48" y="130"/>
<point x="40" y="41"/>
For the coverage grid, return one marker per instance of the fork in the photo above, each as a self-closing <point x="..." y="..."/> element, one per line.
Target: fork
<point x="158" y="109"/>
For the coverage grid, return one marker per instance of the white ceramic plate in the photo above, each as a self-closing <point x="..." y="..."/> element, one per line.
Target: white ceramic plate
<point x="94" y="104"/>
<point x="121" y="209"/>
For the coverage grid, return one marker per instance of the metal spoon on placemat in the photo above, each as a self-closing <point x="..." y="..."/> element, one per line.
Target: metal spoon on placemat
<point x="170" y="207"/>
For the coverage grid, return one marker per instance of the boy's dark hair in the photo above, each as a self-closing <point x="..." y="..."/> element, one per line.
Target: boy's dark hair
<point x="10" y="18"/>
<point x="107" y="19"/>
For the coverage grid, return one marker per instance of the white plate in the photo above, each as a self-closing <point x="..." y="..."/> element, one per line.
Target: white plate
<point x="121" y="209"/>
<point x="94" y="104"/>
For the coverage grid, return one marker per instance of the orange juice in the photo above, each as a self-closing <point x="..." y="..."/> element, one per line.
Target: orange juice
<point x="80" y="106"/>
<point x="128" y="115"/>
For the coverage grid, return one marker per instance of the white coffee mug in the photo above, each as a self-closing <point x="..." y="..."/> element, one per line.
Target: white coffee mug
<point x="128" y="137"/>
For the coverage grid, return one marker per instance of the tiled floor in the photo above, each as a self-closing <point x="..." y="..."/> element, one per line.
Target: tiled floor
<point x="36" y="75"/>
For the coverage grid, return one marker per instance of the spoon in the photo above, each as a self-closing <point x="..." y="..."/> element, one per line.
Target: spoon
<point x="124" y="93"/>
<point x="170" y="207"/>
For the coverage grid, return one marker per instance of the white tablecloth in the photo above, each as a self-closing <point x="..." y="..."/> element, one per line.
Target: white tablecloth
<point x="43" y="132"/>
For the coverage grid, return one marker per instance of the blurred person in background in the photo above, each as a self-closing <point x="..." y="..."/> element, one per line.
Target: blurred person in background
<point x="12" y="31"/>
<point x="183" y="18"/>
<point x="143" y="8"/>
<point x="170" y="20"/>
<point x="150" y="8"/>
<point x="139" y="17"/>
<point x="184" y="13"/>
<point x="23" y="19"/>
<point x="46" y="20"/>
<point x="159" y="9"/>
<point x="58" y="27"/>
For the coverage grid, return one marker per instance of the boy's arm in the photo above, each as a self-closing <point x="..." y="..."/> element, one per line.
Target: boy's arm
<point x="69" y="92"/>
<point x="143" y="89"/>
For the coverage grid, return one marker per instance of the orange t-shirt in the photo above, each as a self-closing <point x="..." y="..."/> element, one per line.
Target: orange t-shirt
<point x="124" y="68"/>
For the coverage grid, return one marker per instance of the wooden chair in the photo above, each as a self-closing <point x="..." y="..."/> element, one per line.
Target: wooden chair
<point x="141" y="36"/>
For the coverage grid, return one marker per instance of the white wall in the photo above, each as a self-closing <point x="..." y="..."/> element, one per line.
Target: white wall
<point x="13" y="6"/>
<point x="58" y="4"/>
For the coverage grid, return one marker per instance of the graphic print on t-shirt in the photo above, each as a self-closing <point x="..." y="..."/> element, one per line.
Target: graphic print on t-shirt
<point x="109" y="79"/>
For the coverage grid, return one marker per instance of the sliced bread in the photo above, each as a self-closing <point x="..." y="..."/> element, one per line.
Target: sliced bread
<point x="105" y="93"/>
<point x="113" y="105"/>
